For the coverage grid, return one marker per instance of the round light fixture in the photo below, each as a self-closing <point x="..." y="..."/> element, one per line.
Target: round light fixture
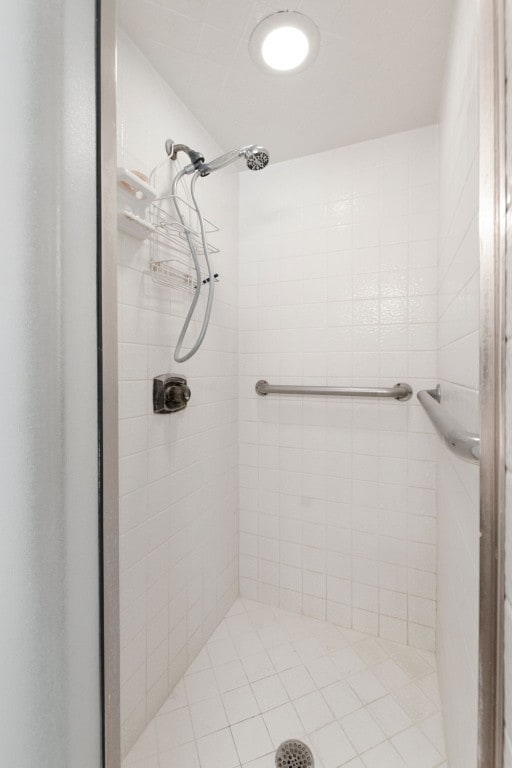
<point x="286" y="41"/>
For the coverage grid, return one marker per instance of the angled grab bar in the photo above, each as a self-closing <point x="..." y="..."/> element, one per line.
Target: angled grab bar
<point x="464" y="444"/>
<point x="398" y="392"/>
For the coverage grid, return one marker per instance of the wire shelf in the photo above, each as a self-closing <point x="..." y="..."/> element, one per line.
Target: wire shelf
<point x="171" y="262"/>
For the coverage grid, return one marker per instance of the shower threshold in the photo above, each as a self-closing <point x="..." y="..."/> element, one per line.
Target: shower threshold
<point x="267" y="676"/>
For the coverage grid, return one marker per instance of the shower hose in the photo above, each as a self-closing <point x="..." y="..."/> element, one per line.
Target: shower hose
<point x="178" y="356"/>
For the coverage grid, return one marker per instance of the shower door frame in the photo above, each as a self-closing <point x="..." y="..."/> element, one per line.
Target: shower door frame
<point x="492" y="211"/>
<point x="106" y="174"/>
<point x="492" y="377"/>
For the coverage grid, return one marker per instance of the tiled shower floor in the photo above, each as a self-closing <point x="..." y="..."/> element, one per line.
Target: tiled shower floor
<point x="267" y="675"/>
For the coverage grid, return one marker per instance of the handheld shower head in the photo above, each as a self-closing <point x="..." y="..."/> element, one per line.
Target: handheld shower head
<point x="256" y="157"/>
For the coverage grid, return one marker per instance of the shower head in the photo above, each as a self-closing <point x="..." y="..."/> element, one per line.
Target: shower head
<point x="255" y="156"/>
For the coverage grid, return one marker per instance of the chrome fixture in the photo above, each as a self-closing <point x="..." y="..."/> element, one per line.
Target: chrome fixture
<point x="465" y="445"/>
<point x="170" y="393"/>
<point x="293" y="753"/>
<point x="256" y="158"/>
<point x="398" y="392"/>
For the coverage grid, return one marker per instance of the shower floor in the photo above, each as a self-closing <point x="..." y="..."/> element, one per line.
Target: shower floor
<point x="267" y="675"/>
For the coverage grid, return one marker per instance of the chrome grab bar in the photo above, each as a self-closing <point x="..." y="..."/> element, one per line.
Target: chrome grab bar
<point x="464" y="444"/>
<point x="399" y="391"/>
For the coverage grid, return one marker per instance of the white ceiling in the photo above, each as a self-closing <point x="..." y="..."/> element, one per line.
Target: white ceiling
<point x="379" y="69"/>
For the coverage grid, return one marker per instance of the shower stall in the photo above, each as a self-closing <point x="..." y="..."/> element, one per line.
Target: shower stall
<point x="305" y="537"/>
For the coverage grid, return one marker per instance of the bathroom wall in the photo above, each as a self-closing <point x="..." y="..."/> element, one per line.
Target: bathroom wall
<point x="458" y="322"/>
<point x="178" y="474"/>
<point x="338" y="286"/>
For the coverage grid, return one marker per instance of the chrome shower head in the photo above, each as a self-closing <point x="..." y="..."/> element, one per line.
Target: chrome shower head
<point x="256" y="157"/>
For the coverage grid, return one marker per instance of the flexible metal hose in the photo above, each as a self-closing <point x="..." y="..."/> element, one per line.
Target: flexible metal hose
<point x="179" y="358"/>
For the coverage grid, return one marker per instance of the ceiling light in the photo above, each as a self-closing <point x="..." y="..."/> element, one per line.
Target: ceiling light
<point x="286" y="41"/>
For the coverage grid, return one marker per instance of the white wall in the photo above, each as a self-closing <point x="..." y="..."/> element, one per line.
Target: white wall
<point x="50" y="676"/>
<point x="458" y="322"/>
<point x="338" y="286"/>
<point x="178" y="474"/>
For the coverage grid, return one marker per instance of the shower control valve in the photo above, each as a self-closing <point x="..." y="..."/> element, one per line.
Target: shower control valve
<point x="170" y="393"/>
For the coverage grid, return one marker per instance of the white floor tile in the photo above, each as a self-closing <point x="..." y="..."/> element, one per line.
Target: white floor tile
<point x="269" y="692"/>
<point x="350" y="693"/>
<point x="341" y="699"/>
<point x="248" y="643"/>
<point x="347" y="662"/>
<point x="383" y="756"/>
<point x="284" y="656"/>
<point x="414" y="702"/>
<point x="433" y="730"/>
<point x="323" y="671"/>
<point x="297" y="682"/>
<point x="390" y="674"/>
<point x="415" y="749"/>
<point x="283" y="723"/>
<point x="240" y="704"/>
<point x="230" y="676"/>
<point x="267" y="761"/>
<point x="390" y="715"/>
<point x="221" y="652"/>
<point x="239" y="624"/>
<point x="332" y="746"/>
<point x="200" y="685"/>
<point x="367" y="686"/>
<point x="362" y="730"/>
<point x="258" y="666"/>
<point x="313" y="711"/>
<point x="272" y="635"/>
<point x="252" y="739"/>
<point x="208" y="716"/>
<point x="217" y="750"/>
<point x="182" y="757"/>
<point x="371" y="651"/>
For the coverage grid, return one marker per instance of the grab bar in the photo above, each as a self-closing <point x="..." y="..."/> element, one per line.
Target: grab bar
<point x="399" y="391"/>
<point x="464" y="444"/>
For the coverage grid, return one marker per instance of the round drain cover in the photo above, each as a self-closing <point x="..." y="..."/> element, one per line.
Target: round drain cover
<point x="294" y="754"/>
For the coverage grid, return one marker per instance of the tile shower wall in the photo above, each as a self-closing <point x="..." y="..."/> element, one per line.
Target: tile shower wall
<point x="178" y="474"/>
<point x="338" y="286"/>
<point x="458" y="334"/>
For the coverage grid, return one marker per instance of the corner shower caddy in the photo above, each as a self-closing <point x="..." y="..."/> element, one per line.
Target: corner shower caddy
<point x="170" y="262"/>
<point x="143" y="215"/>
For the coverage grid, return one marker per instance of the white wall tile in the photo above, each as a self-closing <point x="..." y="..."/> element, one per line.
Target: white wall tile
<point x="178" y="474"/>
<point x="369" y="274"/>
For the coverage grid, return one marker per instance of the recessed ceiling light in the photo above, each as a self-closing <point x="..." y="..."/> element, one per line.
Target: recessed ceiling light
<point x="286" y="41"/>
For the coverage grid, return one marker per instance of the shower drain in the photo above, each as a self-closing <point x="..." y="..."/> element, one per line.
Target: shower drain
<point x="294" y="754"/>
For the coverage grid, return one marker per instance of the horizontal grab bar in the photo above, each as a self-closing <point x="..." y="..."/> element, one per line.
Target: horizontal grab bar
<point x="399" y="391"/>
<point x="464" y="444"/>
